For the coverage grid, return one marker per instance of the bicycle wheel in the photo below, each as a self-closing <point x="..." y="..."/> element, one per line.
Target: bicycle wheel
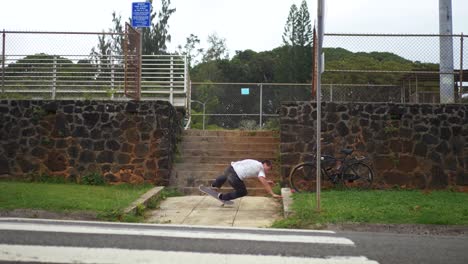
<point x="358" y="176"/>
<point x="303" y="178"/>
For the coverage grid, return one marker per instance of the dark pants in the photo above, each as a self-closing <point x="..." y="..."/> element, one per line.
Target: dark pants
<point x="230" y="176"/>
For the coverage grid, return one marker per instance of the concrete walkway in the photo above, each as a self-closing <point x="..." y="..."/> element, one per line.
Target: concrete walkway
<point x="249" y="211"/>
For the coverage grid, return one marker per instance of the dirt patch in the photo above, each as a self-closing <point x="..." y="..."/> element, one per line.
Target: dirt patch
<point x="402" y="229"/>
<point x="33" y="213"/>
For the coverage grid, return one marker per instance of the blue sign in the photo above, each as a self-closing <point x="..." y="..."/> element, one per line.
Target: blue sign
<point x="245" y="91"/>
<point x="141" y="14"/>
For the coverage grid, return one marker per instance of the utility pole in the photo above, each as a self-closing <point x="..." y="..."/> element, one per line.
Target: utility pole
<point x="320" y="33"/>
<point x="447" y="83"/>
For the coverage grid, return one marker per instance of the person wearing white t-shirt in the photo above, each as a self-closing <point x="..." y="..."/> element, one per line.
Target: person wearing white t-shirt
<point x="241" y="170"/>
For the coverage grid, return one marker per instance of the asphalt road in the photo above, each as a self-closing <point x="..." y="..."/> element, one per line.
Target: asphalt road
<point x="52" y="241"/>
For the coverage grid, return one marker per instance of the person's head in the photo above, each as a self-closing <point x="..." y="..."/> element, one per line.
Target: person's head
<point x="267" y="165"/>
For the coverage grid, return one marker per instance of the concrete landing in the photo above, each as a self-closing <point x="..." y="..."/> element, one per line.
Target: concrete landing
<point x="248" y="211"/>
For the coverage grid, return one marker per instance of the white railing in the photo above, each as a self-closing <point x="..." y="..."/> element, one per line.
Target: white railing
<point x="66" y="77"/>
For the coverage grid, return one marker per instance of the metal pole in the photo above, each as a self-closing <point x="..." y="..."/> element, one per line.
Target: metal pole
<point x="171" y="95"/>
<point x="54" y="78"/>
<point x="204" y="104"/>
<point x="417" y="90"/>
<point x="461" y="67"/>
<point x="261" y="105"/>
<point x="3" y="61"/>
<point x="446" y="52"/>
<point x="140" y="65"/>
<point x="320" y="14"/>
<point x="112" y="77"/>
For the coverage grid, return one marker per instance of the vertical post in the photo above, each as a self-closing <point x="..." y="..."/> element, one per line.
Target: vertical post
<point x="54" y="78"/>
<point x="171" y="95"/>
<point x="402" y="92"/>
<point x="461" y="67"/>
<point x="140" y="65"/>
<point x="3" y="61"/>
<point x="204" y="112"/>
<point x="417" y="90"/>
<point x="331" y="92"/>
<point x="320" y="29"/>
<point x="112" y="77"/>
<point x="261" y="106"/>
<point x="446" y="52"/>
<point x="185" y="74"/>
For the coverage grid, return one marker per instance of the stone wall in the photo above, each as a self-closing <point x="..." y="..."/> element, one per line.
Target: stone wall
<point x="130" y="142"/>
<point x="410" y="145"/>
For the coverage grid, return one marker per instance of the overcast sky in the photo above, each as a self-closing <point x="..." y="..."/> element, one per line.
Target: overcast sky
<point x="245" y="24"/>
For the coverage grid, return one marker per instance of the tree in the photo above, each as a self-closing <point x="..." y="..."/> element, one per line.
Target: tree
<point x="304" y="27"/>
<point x="290" y="35"/>
<point x="155" y="37"/>
<point x="217" y="49"/>
<point x="298" y="38"/>
<point x="190" y="49"/>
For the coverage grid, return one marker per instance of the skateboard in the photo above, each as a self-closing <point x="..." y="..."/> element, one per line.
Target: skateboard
<point x="214" y="194"/>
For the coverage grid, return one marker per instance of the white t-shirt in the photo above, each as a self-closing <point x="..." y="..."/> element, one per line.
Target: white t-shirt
<point x="248" y="168"/>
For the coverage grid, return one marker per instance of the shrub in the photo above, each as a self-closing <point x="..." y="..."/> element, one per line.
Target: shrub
<point x="93" y="178"/>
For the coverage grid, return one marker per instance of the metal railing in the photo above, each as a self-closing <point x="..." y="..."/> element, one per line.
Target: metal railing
<point x="92" y="75"/>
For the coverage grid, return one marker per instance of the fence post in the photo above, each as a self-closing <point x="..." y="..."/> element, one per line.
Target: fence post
<point x="3" y="61"/>
<point x="461" y="67"/>
<point x="417" y="90"/>
<point x="331" y="92"/>
<point x="54" y="78"/>
<point x="171" y="95"/>
<point x="261" y="106"/>
<point x="112" y="77"/>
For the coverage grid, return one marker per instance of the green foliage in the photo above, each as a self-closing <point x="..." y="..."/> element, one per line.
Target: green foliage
<point x="45" y="178"/>
<point x="272" y="124"/>
<point x="17" y="96"/>
<point x="277" y="188"/>
<point x="68" y="197"/>
<point x="217" y="49"/>
<point x="140" y="210"/>
<point x="384" y="207"/>
<point x="248" y="125"/>
<point x="93" y="178"/>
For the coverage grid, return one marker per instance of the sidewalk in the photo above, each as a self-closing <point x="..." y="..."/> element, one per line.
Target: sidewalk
<point x="248" y="211"/>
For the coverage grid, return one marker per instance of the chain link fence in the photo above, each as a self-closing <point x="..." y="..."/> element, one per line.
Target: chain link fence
<point x="408" y="65"/>
<point x="358" y="68"/>
<point x="242" y="105"/>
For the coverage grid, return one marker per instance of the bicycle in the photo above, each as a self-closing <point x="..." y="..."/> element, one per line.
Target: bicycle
<point x="348" y="172"/>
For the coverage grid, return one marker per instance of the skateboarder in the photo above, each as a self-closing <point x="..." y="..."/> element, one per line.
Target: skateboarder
<point x="241" y="170"/>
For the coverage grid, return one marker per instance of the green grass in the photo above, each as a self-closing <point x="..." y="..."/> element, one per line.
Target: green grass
<point x="68" y="197"/>
<point x="384" y="207"/>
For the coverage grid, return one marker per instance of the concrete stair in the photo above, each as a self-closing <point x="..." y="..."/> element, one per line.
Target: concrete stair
<point x="204" y="155"/>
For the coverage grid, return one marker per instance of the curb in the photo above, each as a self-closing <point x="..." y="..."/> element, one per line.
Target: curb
<point x="287" y="201"/>
<point x="144" y="199"/>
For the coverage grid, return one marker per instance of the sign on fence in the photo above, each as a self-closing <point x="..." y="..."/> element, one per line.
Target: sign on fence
<point x="141" y="14"/>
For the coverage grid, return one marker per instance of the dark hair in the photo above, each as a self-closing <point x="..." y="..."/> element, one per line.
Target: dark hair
<point x="268" y="163"/>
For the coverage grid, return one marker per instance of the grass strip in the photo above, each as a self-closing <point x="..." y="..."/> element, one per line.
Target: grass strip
<point x="378" y="206"/>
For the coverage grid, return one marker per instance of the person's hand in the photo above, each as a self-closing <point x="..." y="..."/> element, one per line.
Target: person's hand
<point x="270" y="182"/>
<point x="274" y="195"/>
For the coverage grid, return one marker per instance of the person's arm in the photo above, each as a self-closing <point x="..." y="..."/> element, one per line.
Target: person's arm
<point x="267" y="187"/>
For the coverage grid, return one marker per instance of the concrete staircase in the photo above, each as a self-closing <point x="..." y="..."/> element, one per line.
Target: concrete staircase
<point x="203" y="155"/>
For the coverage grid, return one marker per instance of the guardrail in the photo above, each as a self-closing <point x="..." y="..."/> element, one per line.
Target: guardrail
<point x="43" y="76"/>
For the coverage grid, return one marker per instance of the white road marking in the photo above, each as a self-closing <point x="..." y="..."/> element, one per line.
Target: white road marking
<point x="201" y="234"/>
<point x="18" y="220"/>
<point x="52" y="254"/>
